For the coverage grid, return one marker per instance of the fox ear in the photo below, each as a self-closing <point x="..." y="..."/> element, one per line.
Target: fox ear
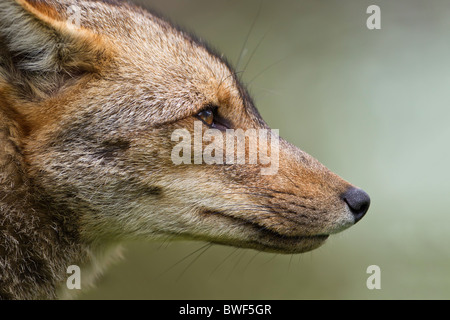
<point x="41" y="50"/>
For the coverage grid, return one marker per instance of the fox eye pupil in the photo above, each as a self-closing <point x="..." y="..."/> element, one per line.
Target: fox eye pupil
<point x="207" y="116"/>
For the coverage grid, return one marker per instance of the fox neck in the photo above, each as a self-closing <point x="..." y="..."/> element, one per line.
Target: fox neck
<point x="42" y="238"/>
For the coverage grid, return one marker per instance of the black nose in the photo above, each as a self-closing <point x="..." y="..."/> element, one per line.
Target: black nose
<point x="358" y="201"/>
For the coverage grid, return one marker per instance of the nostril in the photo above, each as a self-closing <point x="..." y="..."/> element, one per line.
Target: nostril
<point x="358" y="202"/>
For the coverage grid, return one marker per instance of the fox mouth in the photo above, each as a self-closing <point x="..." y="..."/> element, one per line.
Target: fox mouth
<point x="264" y="239"/>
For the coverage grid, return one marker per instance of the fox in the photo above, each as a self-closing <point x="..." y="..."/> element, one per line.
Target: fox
<point x="88" y="105"/>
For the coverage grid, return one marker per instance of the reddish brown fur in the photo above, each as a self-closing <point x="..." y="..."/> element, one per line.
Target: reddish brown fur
<point x="85" y="161"/>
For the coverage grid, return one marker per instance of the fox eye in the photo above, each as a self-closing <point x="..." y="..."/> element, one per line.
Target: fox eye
<point x="207" y="116"/>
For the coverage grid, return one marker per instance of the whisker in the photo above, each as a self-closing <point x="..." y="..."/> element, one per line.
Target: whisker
<point x="267" y="68"/>
<point x="251" y="259"/>
<point x="225" y="78"/>
<point x="183" y="259"/>
<point x="223" y="261"/>
<point x="193" y="261"/>
<point x="290" y="261"/>
<point x="240" y="256"/>
<point x="165" y="242"/>
<point x="290" y="180"/>
<point x="271" y="259"/>
<point x="269" y="91"/>
<point x="241" y="54"/>
<point x="254" y="51"/>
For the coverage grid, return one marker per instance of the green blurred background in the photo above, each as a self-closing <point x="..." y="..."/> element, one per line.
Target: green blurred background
<point x="372" y="105"/>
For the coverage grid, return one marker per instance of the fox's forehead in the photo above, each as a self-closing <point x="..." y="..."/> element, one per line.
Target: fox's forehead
<point x="157" y="62"/>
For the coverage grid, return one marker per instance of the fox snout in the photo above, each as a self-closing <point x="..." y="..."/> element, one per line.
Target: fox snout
<point x="293" y="211"/>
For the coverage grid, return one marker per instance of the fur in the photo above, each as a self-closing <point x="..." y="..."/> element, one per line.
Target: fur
<point x="86" y="116"/>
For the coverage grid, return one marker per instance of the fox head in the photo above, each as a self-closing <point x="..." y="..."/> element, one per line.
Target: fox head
<point x="98" y="89"/>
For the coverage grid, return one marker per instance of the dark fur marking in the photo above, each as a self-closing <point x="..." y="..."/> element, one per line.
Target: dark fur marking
<point x="111" y="149"/>
<point x="153" y="190"/>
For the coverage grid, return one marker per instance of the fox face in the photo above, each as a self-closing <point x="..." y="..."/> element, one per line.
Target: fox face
<point x="98" y="103"/>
